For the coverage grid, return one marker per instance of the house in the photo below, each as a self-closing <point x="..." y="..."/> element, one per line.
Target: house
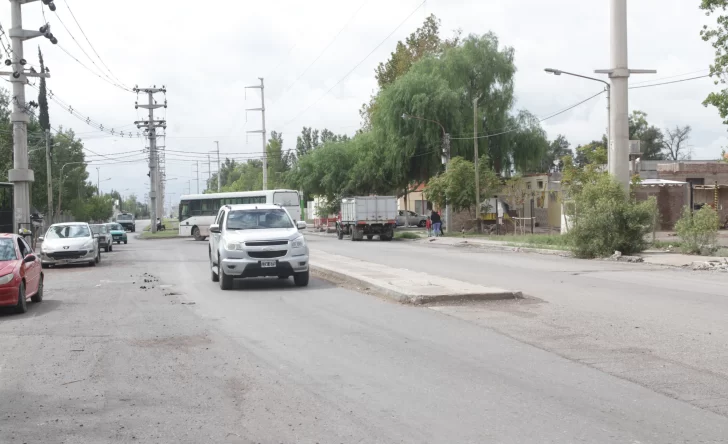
<point x="415" y="200"/>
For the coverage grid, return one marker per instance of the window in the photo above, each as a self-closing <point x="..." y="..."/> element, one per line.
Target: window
<point x="22" y="248"/>
<point x="287" y="199"/>
<point x="258" y="219"/>
<point x="26" y="247"/>
<point x="184" y="210"/>
<point x="218" y="220"/>
<point x="540" y="184"/>
<point x="7" y="250"/>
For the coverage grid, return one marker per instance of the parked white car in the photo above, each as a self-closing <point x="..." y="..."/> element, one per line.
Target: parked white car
<point x="256" y="240"/>
<point x="69" y="243"/>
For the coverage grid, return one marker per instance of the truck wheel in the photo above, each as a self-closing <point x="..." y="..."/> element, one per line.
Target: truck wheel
<point x="370" y="237"/>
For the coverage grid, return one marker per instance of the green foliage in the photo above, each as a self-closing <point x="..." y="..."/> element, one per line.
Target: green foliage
<point x="651" y="138"/>
<point x="456" y="186"/>
<point x="698" y="230"/>
<point x="43" y="116"/>
<point x="557" y="149"/>
<point x="718" y="38"/>
<point x="607" y="220"/>
<point x="97" y="209"/>
<point x="594" y="153"/>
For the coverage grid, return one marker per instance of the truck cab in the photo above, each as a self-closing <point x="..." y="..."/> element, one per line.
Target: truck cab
<point x="127" y="222"/>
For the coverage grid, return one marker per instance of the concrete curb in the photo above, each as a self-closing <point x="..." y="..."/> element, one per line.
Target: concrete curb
<point x="341" y="278"/>
<point x="511" y="248"/>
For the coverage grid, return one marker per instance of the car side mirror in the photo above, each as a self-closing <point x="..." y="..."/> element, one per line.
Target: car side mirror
<point x="214" y="228"/>
<point x="29" y="258"/>
<point x="301" y="225"/>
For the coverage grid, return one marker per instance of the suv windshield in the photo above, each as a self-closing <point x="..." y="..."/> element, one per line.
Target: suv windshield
<point x="67" y="231"/>
<point x="7" y="250"/>
<point x="97" y="229"/>
<point x="258" y="219"/>
<point x="124" y="217"/>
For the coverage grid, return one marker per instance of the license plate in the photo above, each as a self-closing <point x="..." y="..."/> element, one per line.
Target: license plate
<point x="268" y="264"/>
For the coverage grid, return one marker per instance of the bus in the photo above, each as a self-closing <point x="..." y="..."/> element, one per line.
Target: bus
<point x="198" y="211"/>
<point x="7" y="217"/>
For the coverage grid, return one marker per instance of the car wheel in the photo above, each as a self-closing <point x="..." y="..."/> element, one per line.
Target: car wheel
<point x="22" y="306"/>
<point x="370" y="237"/>
<point x="422" y="224"/>
<point x="214" y="276"/>
<point x="226" y="281"/>
<point x="301" y="279"/>
<point x="125" y="242"/>
<point x="38" y="296"/>
<point x="106" y="249"/>
<point x="98" y="256"/>
<point x="42" y="265"/>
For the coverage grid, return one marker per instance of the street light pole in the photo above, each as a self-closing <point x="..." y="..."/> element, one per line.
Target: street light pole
<point x="475" y="163"/>
<point x="608" y="88"/>
<point x="445" y="158"/>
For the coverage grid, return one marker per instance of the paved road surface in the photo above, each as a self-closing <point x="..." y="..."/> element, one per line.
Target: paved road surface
<point x="663" y="328"/>
<point x="104" y="360"/>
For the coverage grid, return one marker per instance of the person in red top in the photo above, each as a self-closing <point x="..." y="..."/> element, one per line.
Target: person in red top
<point x="428" y="225"/>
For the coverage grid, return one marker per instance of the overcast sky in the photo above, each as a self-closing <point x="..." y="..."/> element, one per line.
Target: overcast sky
<point x="205" y="53"/>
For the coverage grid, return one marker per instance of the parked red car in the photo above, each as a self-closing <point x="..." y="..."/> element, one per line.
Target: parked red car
<point x="21" y="276"/>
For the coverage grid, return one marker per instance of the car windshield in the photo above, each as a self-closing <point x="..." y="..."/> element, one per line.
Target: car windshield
<point x="115" y="227"/>
<point x="258" y="219"/>
<point x="124" y="217"/>
<point x="67" y="231"/>
<point x="96" y="229"/>
<point x="7" y="250"/>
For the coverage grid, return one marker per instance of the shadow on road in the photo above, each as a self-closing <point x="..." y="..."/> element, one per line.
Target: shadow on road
<point x="275" y="284"/>
<point x="8" y="314"/>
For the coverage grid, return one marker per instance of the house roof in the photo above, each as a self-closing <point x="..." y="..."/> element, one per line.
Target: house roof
<point x="661" y="183"/>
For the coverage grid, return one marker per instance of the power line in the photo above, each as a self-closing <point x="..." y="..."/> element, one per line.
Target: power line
<point x="667" y="83"/>
<point x="506" y="131"/>
<point x="670" y="77"/>
<point x="355" y="66"/>
<point x="93" y="72"/>
<point x="92" y="46"/>
<point x="331" y="42"/>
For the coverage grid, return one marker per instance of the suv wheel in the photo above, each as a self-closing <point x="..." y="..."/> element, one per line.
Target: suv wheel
<point x="301" y="279"/>
<point x="226" y="281"/>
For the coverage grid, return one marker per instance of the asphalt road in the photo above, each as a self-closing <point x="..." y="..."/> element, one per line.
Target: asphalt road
<point x="180" y="361"/>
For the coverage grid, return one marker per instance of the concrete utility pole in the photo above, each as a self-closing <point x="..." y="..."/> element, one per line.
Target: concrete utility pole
<point x="21" y="175"/>
<point x="49" y="184"/>
<point x="218" y="165"/>
<point x="446" y="161"/>
<point x="262" y="131"/>
<point x="197" y="164"/>
<point x="475" y="163"/>
<point x="98" y="182"/>
<point x="209" y="172"/>
<point x="151" y="128"/>
<point x="619" y="73"/>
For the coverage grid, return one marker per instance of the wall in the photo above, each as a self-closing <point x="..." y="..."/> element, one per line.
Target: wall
<point x="708" y="196"/>
<point x="681" y="171"/>
<point x="670" y="201"/>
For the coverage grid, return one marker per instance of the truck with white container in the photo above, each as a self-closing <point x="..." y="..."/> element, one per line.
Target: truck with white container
<point x="367" y="216"/>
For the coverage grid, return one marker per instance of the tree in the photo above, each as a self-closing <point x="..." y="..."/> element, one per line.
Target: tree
<point x="718" y="38"/>
<point x="307" y="141"/>
<point x="592" y="153"/>
<point x="651" y="138"/>
<point x="676" y="142"/>
<point x="43" y="116"/>
<point x="557" y="149"/>
<point x="456" y="186"/>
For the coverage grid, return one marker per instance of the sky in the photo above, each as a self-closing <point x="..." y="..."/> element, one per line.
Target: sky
<point x="317" y="59"/>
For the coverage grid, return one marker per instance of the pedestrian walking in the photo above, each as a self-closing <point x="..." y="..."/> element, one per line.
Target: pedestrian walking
<point x="428" y="226"/>
<point x="436" y="223"/>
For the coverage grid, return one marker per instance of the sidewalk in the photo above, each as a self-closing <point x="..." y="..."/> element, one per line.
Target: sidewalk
<point x="399" y="284"/>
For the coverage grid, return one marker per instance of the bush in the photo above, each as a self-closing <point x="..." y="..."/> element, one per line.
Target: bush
<point x="607" y="220"/>
<point x="698" y="231"/>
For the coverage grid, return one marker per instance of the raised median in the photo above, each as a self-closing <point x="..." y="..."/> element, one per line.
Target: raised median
<point x="398" y="284"/>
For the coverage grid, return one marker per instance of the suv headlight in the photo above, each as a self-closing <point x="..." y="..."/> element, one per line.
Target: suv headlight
<point x="7" y="278"/>
<point x="298" y="242"/>
<point x="232" y="246"/>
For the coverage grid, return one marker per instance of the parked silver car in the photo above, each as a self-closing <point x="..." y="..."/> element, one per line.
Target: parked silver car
<point x="410" y="218"/>
<point x="257" y="240"/>
<point x="102" y="231"/>
<point x="69" y="243"/>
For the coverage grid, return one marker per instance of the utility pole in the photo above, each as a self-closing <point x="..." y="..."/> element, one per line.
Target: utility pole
<point x="475" y="163"/>
<point x="446" y="161"/>
<point x="21" y="175"/>
<point x="218" y="165"/>
<point x="49" y="184"/>
<point x="262" y="131"/>
<point x="98" y="183"/>
<point x="209" y="172"/>
<point x="151" y="126"/>
<point x="618" y="150"/>
<point x="197" y="172"/>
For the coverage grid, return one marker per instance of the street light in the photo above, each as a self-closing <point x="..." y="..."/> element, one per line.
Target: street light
<point x="607" y="88"/>
<point x="445" y="157"/>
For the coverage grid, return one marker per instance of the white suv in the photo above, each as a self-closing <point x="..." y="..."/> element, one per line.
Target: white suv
<point x="256" y="240"/>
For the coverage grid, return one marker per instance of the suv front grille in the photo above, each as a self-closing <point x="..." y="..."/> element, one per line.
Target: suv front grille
<point x="267" y="254"/>
<point x="266" y="243"/>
